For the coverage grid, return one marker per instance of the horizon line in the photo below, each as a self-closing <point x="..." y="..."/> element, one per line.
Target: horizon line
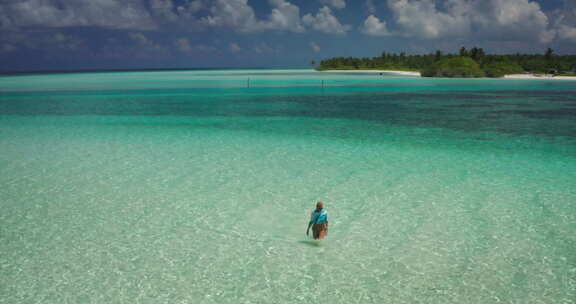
<point x="104" y="70"/>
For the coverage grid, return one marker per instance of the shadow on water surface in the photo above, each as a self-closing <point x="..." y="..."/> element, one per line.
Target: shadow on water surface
<point x="311" y="243"/>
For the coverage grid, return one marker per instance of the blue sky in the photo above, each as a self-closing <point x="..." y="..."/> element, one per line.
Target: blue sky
<point x="92" y="34"/>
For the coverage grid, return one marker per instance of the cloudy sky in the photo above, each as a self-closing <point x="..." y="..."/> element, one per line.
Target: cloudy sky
<point x="88" y="34"/>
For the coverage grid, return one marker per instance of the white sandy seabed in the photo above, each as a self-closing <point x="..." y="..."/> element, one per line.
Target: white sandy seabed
<point x="163" y="195"/>
<point x="174" y="210"/>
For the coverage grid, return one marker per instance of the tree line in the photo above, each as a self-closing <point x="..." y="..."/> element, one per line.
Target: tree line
<point x="491" y="64"/>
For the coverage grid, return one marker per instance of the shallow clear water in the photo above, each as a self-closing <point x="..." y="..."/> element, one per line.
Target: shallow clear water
<point x="189" y="187"/>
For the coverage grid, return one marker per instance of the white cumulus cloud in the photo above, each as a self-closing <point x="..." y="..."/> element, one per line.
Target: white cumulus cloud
<point x="284" y="16"/>
<point x="236" y="14"/>
<point x="422" y="18"/>
<point x="511" y="20"/>
<point x="374" y="27"/>
<point x="567" y="32"/>
<point x="239" y="15"/>
<point x="566" y="21"/>
<point x="487" y="19"/>
<point x="325" y="22"/>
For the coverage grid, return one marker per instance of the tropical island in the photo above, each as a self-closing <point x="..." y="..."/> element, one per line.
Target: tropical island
<point x="468" y="63"/>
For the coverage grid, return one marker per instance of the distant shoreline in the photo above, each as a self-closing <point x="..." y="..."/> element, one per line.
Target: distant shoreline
<point x="417" y="74"/>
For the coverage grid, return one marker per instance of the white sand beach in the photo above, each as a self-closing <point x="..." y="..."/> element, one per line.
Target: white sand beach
<point x="536" y="76"/>
<point x="417" y="74"/>
<point x="404" y="73"/>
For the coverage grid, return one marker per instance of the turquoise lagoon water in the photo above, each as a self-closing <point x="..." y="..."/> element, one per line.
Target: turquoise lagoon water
<point x="190" y="187"/>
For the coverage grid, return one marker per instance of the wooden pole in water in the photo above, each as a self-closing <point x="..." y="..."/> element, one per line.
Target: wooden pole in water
<point x="248" y="82"/>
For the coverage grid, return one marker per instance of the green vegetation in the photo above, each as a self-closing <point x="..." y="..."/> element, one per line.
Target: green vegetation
<point x="467" y="63"/>
<point x="463" y="67"/>
<point x="566" y="74"/>
<point x="501" y="68"/>
<point x="387" y="61"/>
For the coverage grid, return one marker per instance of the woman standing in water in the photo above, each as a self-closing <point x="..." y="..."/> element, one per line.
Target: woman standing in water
<point x="318" y="222"/>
